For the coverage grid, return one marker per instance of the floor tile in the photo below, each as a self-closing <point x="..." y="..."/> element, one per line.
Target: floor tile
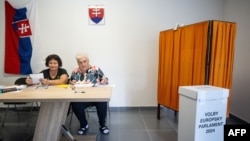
<point x="125" y="124"/>
<point x="140" y="135"/>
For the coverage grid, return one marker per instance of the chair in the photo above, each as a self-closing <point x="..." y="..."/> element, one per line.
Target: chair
<point x="19" y="81"/>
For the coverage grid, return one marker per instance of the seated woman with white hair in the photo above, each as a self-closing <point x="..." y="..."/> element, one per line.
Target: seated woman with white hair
<point x="87" y="73"/>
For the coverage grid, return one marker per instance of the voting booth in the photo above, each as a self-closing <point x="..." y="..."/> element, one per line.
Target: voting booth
<point x="202" y="113"/>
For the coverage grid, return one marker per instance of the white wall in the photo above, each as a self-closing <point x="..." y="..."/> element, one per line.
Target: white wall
<point x="126" y="47"/>
<point x="239" y="11"/>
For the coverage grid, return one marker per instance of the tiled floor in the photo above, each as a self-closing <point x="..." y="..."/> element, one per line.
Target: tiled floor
<point x="126" y="124"/>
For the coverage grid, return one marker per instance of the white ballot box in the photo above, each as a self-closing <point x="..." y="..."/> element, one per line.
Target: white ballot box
<point x="202" y="113"/>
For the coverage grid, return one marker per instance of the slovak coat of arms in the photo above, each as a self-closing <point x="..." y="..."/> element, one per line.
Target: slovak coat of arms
<point x="96" y="14"/>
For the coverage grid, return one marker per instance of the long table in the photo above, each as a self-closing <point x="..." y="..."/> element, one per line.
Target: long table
<point x="54" y="106"/>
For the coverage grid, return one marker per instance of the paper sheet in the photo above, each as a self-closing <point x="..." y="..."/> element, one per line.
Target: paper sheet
<point x="35" y="77"/>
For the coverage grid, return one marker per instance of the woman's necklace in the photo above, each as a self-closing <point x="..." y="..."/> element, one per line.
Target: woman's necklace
<point x="53" y="74"/>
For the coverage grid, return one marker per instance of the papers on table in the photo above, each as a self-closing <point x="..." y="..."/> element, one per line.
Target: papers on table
<point x="36" y="77"/>
<point x="84" y="85"/>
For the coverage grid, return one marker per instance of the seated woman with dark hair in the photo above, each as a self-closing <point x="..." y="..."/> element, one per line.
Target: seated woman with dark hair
<point x="54" y="74"/>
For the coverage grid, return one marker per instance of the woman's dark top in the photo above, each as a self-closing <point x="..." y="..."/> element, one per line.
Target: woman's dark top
<point x="60" y="72"/>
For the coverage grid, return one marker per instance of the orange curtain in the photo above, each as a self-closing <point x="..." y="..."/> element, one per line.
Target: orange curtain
<point x="182" y="57"/>
<point x="165" y="62"/>
<point x="222" y="56"/>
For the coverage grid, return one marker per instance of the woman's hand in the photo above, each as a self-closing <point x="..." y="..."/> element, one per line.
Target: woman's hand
<point x="72" y="82"/>
<point x="105" y="80"/>
<point x="45" y="81"/>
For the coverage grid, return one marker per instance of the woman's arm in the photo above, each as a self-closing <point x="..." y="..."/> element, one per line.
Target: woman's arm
<point x="63" y="80"/>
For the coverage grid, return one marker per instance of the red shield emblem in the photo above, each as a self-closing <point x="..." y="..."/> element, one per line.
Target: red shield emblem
<point x="96" y="13"/>
<point x="23" y="28"/>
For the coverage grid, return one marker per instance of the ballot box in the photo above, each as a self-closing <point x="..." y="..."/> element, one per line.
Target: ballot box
<point x="202" y="113"/>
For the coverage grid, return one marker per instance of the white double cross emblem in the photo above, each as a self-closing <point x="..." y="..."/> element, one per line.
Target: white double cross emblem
<point x="23" y="28"/>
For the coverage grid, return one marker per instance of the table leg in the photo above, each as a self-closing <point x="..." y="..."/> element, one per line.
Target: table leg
<point x="51" y="116"/>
